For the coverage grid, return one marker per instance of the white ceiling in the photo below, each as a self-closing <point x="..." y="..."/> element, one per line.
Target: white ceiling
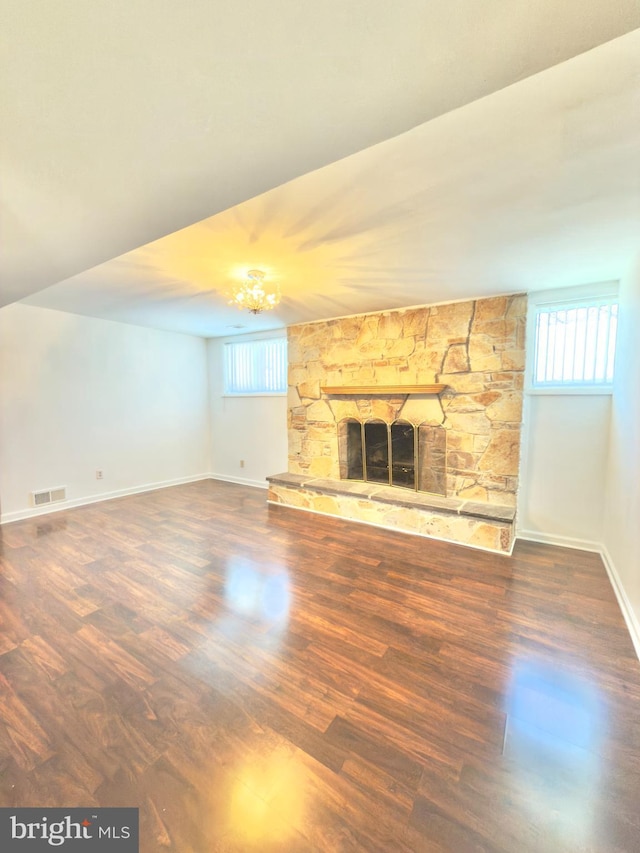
<point x="130" y="120"/>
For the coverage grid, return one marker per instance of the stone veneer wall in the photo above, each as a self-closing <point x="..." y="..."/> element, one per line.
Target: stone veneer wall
<point x="476" y="348"/>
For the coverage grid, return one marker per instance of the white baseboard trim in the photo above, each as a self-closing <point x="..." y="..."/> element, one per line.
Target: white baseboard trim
<point x="31" y="512"/>
<point x="240" y="481"/>
<point x="395" y="529"/>
<point x="625" y="605"/>
<point x="561" y="541"/>
<point x="630" y="618"/>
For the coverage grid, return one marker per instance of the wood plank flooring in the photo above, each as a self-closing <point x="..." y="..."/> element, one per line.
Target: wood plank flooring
<point x="256" y="678"/>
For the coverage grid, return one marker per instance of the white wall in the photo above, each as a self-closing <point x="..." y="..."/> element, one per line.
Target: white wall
<point x="622" y="508"/>
<point x="78" y="394"/>
<point x="563" y="468"/>
<point x="565" y="445"/>
<point x="253" y="429"/>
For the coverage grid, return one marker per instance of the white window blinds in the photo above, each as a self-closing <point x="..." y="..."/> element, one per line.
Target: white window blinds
<point x="256" y="367"/>
<point x="575" y="344"/>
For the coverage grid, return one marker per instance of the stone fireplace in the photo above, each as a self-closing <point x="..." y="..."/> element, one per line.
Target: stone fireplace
<point x="410" y="419"/>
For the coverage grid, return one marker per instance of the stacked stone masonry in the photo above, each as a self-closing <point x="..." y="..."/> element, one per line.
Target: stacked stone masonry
<point x="476" y="348"/>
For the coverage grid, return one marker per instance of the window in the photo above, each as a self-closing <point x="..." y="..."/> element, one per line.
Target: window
<point x="574" y="344"/>
<point x="256" y="367"/>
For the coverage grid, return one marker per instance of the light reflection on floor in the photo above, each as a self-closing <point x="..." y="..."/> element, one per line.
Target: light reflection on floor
<point x="553" y="738"/>
<point x="258" y="591"/>
<point x="260" y="783"/>
<point x="258" y="598"/>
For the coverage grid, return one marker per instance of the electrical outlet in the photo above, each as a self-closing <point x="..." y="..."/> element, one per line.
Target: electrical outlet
<point x="99" y="474"/>
<point x="242" y="463"/>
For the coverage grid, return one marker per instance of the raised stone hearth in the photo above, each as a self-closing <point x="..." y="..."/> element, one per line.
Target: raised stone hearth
<point x="472" y="523"/>
<point x="462" y="367"/>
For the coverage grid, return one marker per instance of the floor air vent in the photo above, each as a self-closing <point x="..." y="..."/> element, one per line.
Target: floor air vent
<point x="49" y="496"/>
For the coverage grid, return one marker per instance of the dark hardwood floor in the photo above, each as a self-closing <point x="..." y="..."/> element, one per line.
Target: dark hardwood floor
<point x="262" y="679"/>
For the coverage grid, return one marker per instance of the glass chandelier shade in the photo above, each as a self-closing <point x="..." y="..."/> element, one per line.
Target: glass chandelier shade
<point x="253" y="295"/>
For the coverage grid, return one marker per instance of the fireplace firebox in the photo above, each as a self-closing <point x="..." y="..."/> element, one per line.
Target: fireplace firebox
<point x="393" y="454"/>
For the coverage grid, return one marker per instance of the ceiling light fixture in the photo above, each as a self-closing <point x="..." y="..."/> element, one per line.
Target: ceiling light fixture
<point x="253" y="295"/>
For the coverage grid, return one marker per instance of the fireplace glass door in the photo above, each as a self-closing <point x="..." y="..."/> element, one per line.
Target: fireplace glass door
<point x="376" y="454"/>
<point x="350" y="449"/>
<point x="403" y="466"/>
<point x="397" y="454"/>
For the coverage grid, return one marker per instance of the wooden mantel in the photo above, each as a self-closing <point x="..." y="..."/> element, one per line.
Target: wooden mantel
<point x="381" y="390"/>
